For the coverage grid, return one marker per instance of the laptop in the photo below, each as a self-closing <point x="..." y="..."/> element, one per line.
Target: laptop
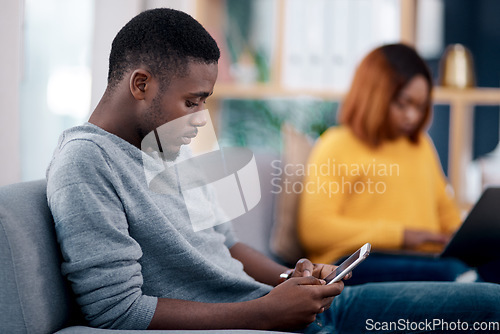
<point x="477" y="241"/>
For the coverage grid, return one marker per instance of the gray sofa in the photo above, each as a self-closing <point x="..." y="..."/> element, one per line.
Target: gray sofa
<point x="34" y="297"/>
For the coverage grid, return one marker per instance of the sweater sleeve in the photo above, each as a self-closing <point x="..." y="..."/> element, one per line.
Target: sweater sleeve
<point x="325" y="232"/>
<point x="100" y="258"/>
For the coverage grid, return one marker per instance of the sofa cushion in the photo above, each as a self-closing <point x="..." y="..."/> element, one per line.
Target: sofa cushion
<point x="34" y="297"/>
<point x="254" y="227"/>
<point x="33" y="294"/>
<point x="88" y="330"/>
<point x="284" y="238"/>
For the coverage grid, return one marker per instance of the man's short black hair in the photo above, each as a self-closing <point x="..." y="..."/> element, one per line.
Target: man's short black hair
<point x="164" y="40"/>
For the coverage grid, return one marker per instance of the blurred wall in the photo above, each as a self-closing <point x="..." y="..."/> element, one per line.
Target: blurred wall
<point x="10" y="60"/>
<point x="108" y="21"/>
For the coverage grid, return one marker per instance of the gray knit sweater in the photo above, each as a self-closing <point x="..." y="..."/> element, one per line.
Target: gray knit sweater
<point x="124" y="245"/>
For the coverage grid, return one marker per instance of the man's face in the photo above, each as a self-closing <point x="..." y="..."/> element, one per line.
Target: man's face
<point x="179" y="106"/>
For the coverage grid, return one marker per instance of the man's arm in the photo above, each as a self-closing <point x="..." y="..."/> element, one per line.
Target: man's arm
<point x="257" y="265"/>
<point x="292" y="305"/>
<point x="267" y="271"/>
<point x="100" y="258"/>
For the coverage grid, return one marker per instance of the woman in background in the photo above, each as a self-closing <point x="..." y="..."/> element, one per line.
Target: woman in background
<point x="377" y="178"/>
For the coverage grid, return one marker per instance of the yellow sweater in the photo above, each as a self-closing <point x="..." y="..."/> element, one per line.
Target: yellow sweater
<point x="355" y="194"/>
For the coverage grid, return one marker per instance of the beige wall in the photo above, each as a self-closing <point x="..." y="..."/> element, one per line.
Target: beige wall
<point x="108" y="21"/>
<point x="10" y="66"/>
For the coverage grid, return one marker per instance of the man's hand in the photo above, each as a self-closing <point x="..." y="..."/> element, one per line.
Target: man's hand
<point x="305" y="268"/>
<point x="295" y="303"/>
<point x="292" y="304"/>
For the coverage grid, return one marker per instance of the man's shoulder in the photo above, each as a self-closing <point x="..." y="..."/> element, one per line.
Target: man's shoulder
<point x="81" y="149"/>
<point x="79" y="144"/>
<point x="86" y="135"/>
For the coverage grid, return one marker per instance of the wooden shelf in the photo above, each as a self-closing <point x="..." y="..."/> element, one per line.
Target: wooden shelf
<point x="461" y="101"/>
<point x="476" y="96"/>
<point x="263" y="91"/>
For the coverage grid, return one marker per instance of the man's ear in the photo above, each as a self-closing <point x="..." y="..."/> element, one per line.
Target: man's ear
<point x="140" y="83"/>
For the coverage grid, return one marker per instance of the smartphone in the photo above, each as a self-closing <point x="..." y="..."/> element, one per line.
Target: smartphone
<point x="348" y="265"/>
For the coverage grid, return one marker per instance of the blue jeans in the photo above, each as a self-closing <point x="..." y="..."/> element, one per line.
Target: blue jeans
<point x="379" y="267"/>
<point x="413" y="307"/>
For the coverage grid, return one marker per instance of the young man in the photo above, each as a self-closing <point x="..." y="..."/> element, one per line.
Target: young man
<point x="131" y="255"/>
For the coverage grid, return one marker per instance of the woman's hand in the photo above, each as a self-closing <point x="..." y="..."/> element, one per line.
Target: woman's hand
<point x="415" y="238"/>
